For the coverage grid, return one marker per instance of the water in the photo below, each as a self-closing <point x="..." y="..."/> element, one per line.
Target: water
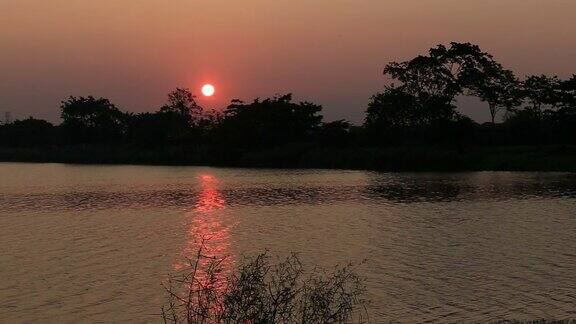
<point x="93" y="243"/>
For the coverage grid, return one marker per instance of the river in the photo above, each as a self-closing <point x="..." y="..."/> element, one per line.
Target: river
<point x="94" y="243"/>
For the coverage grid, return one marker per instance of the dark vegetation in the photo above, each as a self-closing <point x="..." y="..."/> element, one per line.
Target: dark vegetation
<point x="263" y="291"/>
<point x="413" y="124"/>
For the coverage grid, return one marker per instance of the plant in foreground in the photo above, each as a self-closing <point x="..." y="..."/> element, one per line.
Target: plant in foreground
<point x="263" y="291"/>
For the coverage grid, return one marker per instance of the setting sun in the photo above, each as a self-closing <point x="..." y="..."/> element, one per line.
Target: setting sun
<point x="208" y="90"/>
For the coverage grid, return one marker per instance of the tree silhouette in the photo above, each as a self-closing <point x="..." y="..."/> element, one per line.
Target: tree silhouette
<point x="434" y="81"/>
<point x="393" y="114"/>
<point x="566" y="114"/>
<point x="443" y="73"/>
<point x="495" y="85"/>
<point x="459" y="60"/>
<point x="269" y="122"/>
<point x="541" y="91"/>
<point x="183" y="103"/>
<point x="156" y="129"/>
<point x="567" y="96"/>
<point x="29" y="132"/>
<point x="446" y="72"/>
<point x="394" y="109"/>
<point x="178" y="122"/>
<point x="416" y="108"/>
<point x="424" y="78"/>
<point x="91" y="120"/>
<point x="336" y="133"/>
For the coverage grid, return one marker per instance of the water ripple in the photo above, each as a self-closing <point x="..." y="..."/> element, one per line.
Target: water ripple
<point x="92" y="244"/>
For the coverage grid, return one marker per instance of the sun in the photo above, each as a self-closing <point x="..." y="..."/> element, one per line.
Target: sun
<point x="208" y="90"/>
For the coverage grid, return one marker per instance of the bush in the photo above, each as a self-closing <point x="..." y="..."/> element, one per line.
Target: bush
<point x="261" y="291"/>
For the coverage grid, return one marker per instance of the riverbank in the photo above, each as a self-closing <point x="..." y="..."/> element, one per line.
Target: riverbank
<point x="512" y="158"/>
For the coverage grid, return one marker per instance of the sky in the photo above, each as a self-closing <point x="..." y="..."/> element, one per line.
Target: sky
<point x="330" y="52"/>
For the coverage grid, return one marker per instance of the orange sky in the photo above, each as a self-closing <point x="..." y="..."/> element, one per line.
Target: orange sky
<point x="329" y="51"/>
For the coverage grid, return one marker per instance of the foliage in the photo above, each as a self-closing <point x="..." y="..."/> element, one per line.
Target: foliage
<point x="28" y="132"/>
<point x="418" y="108"/>
<point x="269" y="122"/>
<point x="496" y="86"/>
<point x="567" y="96"/>
<point x="395" y="116"/>
<point x="179" y="121"/>
<point x="182" y="103"/>
<point x="155" y="129"/>
<point x="91" y="120"/>
<point x="540" y="91"/>
<point x="444" y="73"/>
<point x="436" y="79"/>
<point x="336" y="133"/>
<point x="261" y="291"/>
<point x="393" y="108"/>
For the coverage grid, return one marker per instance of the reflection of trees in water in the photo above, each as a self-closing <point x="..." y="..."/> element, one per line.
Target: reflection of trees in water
<point x="471" y="186"/>
<point x="413" y="189"/>
<point x="267" y="196"/>
<point x="207" y="231"/>
<point x="209" y="199"/>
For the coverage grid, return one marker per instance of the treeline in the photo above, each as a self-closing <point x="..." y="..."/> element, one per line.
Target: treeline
<point x="181" y="122"/>
<point x="418" y="109"/>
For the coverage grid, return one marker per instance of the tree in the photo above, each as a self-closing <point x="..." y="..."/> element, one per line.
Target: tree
<point x="393" y="108"/>
<point x="273" y="121"/>
<point x="28" y="132"/>
<point x="424" y="76"/>
<point x="434" y="80"/>
<point x="565" y="116"/>
<point x="336" y="133"/>
<point x="425" y="80"/>
<point x="91" y="120"/>
<point x="177" y="122"/>
<point x="159" y="128"/>
<point x="183" y="103"/>
<point x="496" y="86"/>
<point x="540" y="91"/>
<point x="459" y="59"/>
<point x="395" y="115"/>
<point x="443" y="73"/>
<point x="446" y="72"/>
<point x="567" y="95"/>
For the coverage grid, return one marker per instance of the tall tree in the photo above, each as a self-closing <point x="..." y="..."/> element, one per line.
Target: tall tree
<point x="424" y="78"/>
<point x="436" y="79"/>
<point x="477" y="73"/>
<point x="460" y="58"/>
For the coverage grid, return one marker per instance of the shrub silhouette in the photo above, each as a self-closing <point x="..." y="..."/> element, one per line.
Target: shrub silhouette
<point x="261" y="291"/>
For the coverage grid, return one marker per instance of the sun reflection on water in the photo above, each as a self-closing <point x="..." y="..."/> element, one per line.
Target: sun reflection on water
<point x="208" y="228"/>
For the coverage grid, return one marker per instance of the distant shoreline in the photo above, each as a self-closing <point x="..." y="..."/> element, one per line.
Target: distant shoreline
<point x="418" y="158"/>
